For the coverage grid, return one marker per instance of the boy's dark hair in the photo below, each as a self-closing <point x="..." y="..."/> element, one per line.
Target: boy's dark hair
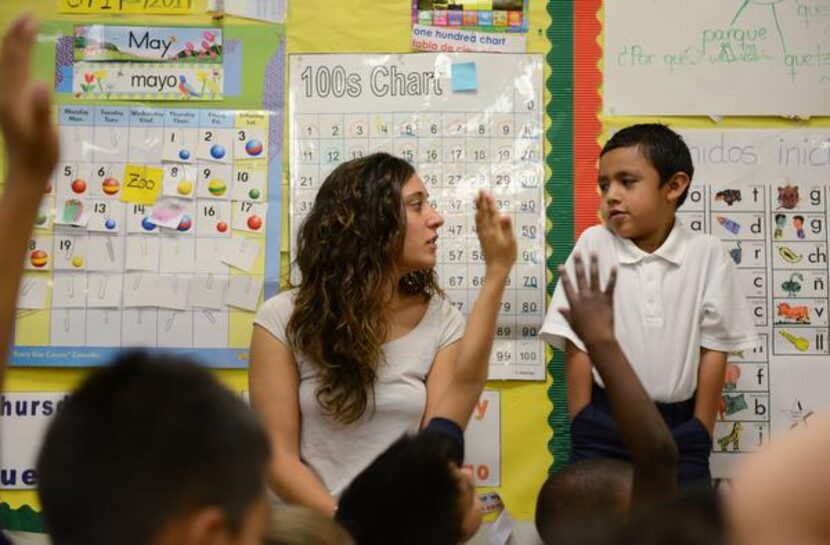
<point x="584" y="502"/>
<point x="143" y="442"/>
<point x="407" y="496"/>
<point x="693" y="516"/>
<point x="661" y="146"/>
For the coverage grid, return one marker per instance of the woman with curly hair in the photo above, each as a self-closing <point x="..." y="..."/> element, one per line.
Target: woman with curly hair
<point x="366" y="347"/>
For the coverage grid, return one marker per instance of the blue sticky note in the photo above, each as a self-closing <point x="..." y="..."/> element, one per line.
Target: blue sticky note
<point x="464" y="77"/>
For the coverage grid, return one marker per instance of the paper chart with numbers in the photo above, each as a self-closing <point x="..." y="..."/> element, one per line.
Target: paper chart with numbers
<point x="488" y="137"/>
<point x="154" y="233"/>
<point x="764" y="194"/>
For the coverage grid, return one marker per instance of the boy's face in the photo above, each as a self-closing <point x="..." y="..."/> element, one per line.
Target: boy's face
<point x="634" y="204"/>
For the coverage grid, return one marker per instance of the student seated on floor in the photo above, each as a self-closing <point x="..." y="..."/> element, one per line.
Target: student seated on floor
<point x="152" y="450"/>
<point x="415" y="492"/>
<point x="298" y="525"/>
<point x="588" y="501"/>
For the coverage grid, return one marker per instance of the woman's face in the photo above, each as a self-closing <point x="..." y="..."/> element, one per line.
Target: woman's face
<point x="422" y="223"/>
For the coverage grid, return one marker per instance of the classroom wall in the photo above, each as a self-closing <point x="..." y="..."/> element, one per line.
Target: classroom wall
<point x="793" y="379"/>
<point x="354" y="26"/>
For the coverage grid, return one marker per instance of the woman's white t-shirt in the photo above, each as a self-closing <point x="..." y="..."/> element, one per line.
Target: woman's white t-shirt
<point x="337" y="452"/>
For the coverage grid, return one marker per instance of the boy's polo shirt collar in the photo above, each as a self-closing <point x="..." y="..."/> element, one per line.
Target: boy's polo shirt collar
<point x="672" y="250"/>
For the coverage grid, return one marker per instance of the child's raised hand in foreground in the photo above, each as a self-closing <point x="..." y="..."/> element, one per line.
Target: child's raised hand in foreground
<point x="645" y="435"/>
<point x="591" y="312"/>
<point x="470" y="357"/>
<point x="31" y="144"/>
<point x="31" y="139"/>
<point x="495" y="233"/>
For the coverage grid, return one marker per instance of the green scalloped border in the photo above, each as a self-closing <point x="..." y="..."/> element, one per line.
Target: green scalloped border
<point x="23" y="519"/>
<point x="560" y="211"/>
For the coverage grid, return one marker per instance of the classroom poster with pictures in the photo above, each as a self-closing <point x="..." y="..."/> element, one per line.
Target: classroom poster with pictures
<point x="154" y="232"/>
<point x="466" y="121"/>
<point x="763" y="193"/>
<point x="147" y="63"/>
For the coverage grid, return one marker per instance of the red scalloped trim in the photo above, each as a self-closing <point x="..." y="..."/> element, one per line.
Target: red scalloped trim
<point x="587" y="104"/>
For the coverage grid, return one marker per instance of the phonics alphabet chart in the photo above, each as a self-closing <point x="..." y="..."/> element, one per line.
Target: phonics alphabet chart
<point x="466" y="122"/>
<point x="764" y="193"/>
<point x="153" y="234"/>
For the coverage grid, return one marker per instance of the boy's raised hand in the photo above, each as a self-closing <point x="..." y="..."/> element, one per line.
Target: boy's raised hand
<point x="495" y="233"/>
<point x="31" y="144"/>
<point x="643" y="431"/>
<point x="25" y="117"/>
<point x="591" y="312"/>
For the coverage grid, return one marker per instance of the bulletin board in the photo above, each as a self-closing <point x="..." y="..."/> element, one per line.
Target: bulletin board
<point x="106" y="272"/>
<point x="759" y="186"/>
<point x="517" y="410"/>
<point x="252" y="95"/>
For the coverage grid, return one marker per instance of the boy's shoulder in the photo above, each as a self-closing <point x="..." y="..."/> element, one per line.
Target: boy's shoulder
<point x="705" y="254"/>
<point x="596" y="235"/>
<point x="704" y="247"/>
<point x="696" y="241"/>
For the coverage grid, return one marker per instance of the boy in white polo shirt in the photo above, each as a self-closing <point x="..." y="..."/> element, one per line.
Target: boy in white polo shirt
<point x="678" y="306"/>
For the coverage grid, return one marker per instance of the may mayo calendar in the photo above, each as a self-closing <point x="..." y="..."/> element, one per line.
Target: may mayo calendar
<point x="466" y="121"/>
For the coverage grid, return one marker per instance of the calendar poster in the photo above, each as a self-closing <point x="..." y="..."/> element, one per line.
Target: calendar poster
<point x="487" y="136"/>
<point x="158" y="230"/>
<point x="763" y="193"/>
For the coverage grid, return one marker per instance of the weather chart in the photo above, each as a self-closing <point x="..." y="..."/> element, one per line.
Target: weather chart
<point x="156" y="227"/>
<point x="466" y="121"/>
<point x="764" y="194"/>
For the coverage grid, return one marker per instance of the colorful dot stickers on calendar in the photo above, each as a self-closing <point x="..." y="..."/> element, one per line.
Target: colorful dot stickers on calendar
<point x="154" y="235"/>
<point x="348" y="106"/>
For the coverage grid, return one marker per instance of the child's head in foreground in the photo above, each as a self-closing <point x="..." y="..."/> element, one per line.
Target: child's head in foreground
<point x="644" y="176"/>
<point x="589" y="503"/>
<point x="414" y="493"/>
<point x="153" y="450"/>
<point x="297" y="525"/>
<point x="584" y="503"/>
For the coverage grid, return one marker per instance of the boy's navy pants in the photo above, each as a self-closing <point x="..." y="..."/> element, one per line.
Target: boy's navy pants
<point x="594" y="434"/>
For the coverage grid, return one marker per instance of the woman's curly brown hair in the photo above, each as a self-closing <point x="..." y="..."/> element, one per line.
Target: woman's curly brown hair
<point x="346" y="252"/>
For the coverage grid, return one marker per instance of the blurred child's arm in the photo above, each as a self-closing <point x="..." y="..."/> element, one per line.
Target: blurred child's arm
<point x="710" y="378"/>
<point x="459" y="371"/>
<point x="274" y="386"/>
<point x="642" y="429"/>
<point x="782" y="495"/>
<point x="31" y="145"/>
<point x="579" y="379"/>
